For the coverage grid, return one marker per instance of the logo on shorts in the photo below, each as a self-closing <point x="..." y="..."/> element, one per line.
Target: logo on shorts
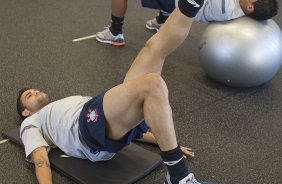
<point x="92" y="115"/>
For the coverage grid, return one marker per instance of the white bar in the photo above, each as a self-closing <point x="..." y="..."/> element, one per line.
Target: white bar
<point x="84" y="38"/>
<point x="3" y="141"/>
<point x="65" y="156"/>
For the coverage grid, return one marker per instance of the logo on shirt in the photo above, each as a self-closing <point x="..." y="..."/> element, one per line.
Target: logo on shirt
<point x="196" y="5"/>
<point x="92" y="115"/>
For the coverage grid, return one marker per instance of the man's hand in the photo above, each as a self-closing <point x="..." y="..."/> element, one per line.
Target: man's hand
<point x="42" y="165"/>
<point x="187" y="151"/>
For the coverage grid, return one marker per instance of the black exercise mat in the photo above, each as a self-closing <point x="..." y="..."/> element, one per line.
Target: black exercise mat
<point x="128" y="166"/>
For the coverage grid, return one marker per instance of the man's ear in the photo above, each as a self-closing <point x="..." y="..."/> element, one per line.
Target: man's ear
<point x="26" y="113"/>
<point x="250" y="8"/>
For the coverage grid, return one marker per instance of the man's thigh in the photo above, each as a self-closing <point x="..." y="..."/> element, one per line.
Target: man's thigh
<point x="123" y="107"/>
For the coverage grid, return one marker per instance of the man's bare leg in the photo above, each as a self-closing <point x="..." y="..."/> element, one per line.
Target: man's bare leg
<point x="145" y="97"/>
<point x="151" y="58"/>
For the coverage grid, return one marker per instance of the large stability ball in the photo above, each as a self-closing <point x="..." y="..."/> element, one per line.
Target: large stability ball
<point x="241" y="52"/>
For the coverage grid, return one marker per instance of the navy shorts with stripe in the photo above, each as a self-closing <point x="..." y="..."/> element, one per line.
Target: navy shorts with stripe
<point x="92" y="126"/>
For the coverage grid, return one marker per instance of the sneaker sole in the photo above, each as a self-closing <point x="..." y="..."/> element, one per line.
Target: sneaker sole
<point x="110" y="42"/>
<point x="152" y="28"/>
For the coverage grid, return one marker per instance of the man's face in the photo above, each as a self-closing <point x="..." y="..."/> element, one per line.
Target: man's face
<point x="33" y="100"/>
<point x="247" y="5"/>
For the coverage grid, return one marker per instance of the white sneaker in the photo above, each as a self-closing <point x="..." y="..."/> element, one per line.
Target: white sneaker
<point x="153" y="24"/>
<point x="189" y="179"/>
<point x="106" y="36"/>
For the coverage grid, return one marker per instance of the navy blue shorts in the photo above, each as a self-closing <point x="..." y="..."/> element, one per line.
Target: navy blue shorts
<point x="92" y="126"/>
<point x="165" y="5"/>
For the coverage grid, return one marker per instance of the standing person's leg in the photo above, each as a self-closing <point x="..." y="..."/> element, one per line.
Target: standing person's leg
<point x="157" y="22"/>
<point x="119" y="8"/>
<point x="113" y="34"/>
<point x="165" y="7"/>
<point x="118" y="12"/>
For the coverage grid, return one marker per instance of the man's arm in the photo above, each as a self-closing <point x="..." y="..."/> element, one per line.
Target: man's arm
<point x="42" y="165"/>
<point x="149" y="137"/>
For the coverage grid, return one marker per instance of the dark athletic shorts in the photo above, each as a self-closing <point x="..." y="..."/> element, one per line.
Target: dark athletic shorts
<point x="92" y="126"/>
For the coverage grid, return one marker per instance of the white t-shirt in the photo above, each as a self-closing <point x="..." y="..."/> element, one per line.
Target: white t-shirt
<point x="56" y="125"/>
<point x="218" y="10"/>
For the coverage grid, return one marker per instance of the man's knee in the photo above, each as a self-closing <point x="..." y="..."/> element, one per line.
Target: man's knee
<point x="152" y="46"/>
<point x="155" y="85"/>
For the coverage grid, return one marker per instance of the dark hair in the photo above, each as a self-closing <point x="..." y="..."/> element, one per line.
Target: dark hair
<point x="20" y="106"/>
<point x="264" y="9"/>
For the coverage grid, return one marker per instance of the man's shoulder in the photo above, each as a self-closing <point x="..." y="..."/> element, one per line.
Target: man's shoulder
<point x="30" y="121"/>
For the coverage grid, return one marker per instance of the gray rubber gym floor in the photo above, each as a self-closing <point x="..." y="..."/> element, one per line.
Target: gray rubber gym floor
<point x="236" y="133"/>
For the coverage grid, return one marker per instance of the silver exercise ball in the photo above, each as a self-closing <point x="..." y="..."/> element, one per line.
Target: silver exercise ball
<point x="241" y="52"/>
